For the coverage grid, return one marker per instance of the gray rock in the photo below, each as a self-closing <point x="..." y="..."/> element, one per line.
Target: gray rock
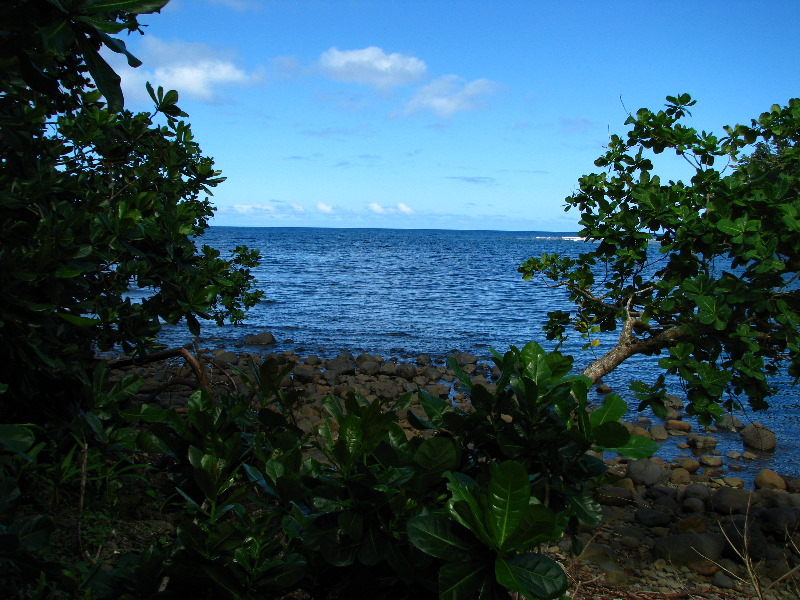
<point x="652" y="518"/>
<point x="758" y="547"/>
<point x="730" y="422"/>
<point x="727" y="500"/>
<point x="463" y="359"/>
<point x="722" y="581"/>
<point x="369" y="367"/>
<point x="406" y="371"/>
<point x="305" y="373"/>
<point x="646" y="472"/>
<point x="265" y="338"/>
<point x="697" y="490"/>
<point x="759" y="437"/>
<point x="684" y="548"/>
<point x="693" y="505"/>
<point x="659" y="433"/>
<point x="778" y="521"/>
<point x="695" y="440"/>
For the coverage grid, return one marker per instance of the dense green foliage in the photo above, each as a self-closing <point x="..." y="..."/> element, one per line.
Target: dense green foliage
<point x="706" y="269"/>
<point x="93" y="200"/>
<point x="459" y="510"/>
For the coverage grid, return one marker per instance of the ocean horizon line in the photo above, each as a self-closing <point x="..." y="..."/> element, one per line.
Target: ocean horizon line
<point x="372" y="228"/>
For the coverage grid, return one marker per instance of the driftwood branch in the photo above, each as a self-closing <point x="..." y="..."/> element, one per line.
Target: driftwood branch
<point x="192" y="361"/>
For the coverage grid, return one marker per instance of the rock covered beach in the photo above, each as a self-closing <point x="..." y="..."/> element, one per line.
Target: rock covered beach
<point x="672" y="528"/>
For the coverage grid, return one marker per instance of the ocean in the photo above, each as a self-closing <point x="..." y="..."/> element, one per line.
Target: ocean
<point x="401" y="293"/>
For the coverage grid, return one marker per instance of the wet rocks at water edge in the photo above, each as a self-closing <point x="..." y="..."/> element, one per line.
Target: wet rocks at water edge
<point x="758" y="437"/>
<point x="662" y="520"/>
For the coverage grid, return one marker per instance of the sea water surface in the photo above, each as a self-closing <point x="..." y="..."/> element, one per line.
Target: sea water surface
<point x="400" y="293"/>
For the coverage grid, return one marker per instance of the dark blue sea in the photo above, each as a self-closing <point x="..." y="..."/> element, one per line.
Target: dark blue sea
<point x="400" y="293"/>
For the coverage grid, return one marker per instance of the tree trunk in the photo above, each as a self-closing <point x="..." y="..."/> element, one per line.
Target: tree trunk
<point x="628" y="345"/>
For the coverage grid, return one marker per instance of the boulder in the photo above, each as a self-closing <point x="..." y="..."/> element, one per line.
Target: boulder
<point x="695" y="440"/>
<point x="758" y="437"/>
<point x="676" y="425"/>
<point x="464" y="358"/>
<point x="265" y="338"/>
<point x="659" y="433"/>
<point x="727" y="500"/>
<point x="406" y="371"/>
<point x="652" y="518"/>
<point x="730" y="422"/>
<point x="646" y="472"/>
<point x="769" y="479"/>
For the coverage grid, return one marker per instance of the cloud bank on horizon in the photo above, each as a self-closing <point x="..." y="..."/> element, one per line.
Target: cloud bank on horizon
<point x="364" y="114"/>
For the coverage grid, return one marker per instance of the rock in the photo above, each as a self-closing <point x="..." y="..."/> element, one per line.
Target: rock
<point x="730" y="422"/>
<point x="603" y="389"/>
<point x="677" y="425"/>
<point x="695" y="523"/>
<point x="265" y="338"/>
<point x="710" y="461"/>
<point x="645" y="472"/>
<point x="598" y="553"/>
<point x="703" y="442"/>
<point x="424" y="360"/>
<point x="769" y="479"/>
<point x="693" y="505"/>
<point x="680" y="476"/>
<point x="728" y="501"/>
<point x="690" y="464"/>
<point x="792" y="484"/>
<point x="659" y="433"/>
<point x="697" y="490"/>
<point x="369" y="367"/>
<point x="734" y="482"/>
<point x="758" y="437"/>
<point x="652" y="518"/>
<point x="780" y="522"/>
<point x="388" y="368"/>
<point x="226" y="357"/>
<point x="685" y="548"/>
<point x="463" y="359"/>
<point x="722" y="581"/>
<point x="406" y="371"/>
<point x="305" y="373"/>
<point x="758" y="547"/>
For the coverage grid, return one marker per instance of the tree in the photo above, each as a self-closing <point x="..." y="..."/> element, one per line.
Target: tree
<point x="703" y="272"/>
<point x="95" y="199"/>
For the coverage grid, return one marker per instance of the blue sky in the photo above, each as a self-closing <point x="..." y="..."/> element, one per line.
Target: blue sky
<point x="445" y="114"/>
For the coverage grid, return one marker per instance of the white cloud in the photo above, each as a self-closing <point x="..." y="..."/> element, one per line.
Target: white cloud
<point x="405" y="208"/>
<point x="193" y="69"/>
<point x="324" y="208"/>
<point x="239" y="5"/>
<point x="450" y="94"/>
<point x="372" y="67"/>
<point x="401" y="207"/>
<point x="376" y="208"/>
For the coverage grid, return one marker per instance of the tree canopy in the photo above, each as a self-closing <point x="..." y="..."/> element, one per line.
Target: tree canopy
<point x="94" y="200"/>
<point x="703" y="272"/>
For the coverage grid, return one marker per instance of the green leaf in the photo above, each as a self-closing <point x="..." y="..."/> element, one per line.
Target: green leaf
<point x="136" y="7"/>
<point x="638" y="447"/>
<point x="78" y="321"/>
<point x="509" y="493"/>
<point x="464" y="508"/>
<point x="611" y="434"/>
<point x="613" y="409"/>
<point x="465" y="581"/>
<point x="434" y="407"/>
<point x="439" y="537"/>
<point x="437" y="455"/>
<point x="532" y="575"/>
<point x="16" y="438"/>
<point x="539" y="524"/>
<point x="33" y="533"/>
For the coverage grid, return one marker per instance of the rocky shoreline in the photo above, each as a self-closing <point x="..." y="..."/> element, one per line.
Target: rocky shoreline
<point x="676" y="528"/>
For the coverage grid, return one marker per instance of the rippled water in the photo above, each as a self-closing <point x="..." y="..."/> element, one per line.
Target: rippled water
<point x="406" y="292"/>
